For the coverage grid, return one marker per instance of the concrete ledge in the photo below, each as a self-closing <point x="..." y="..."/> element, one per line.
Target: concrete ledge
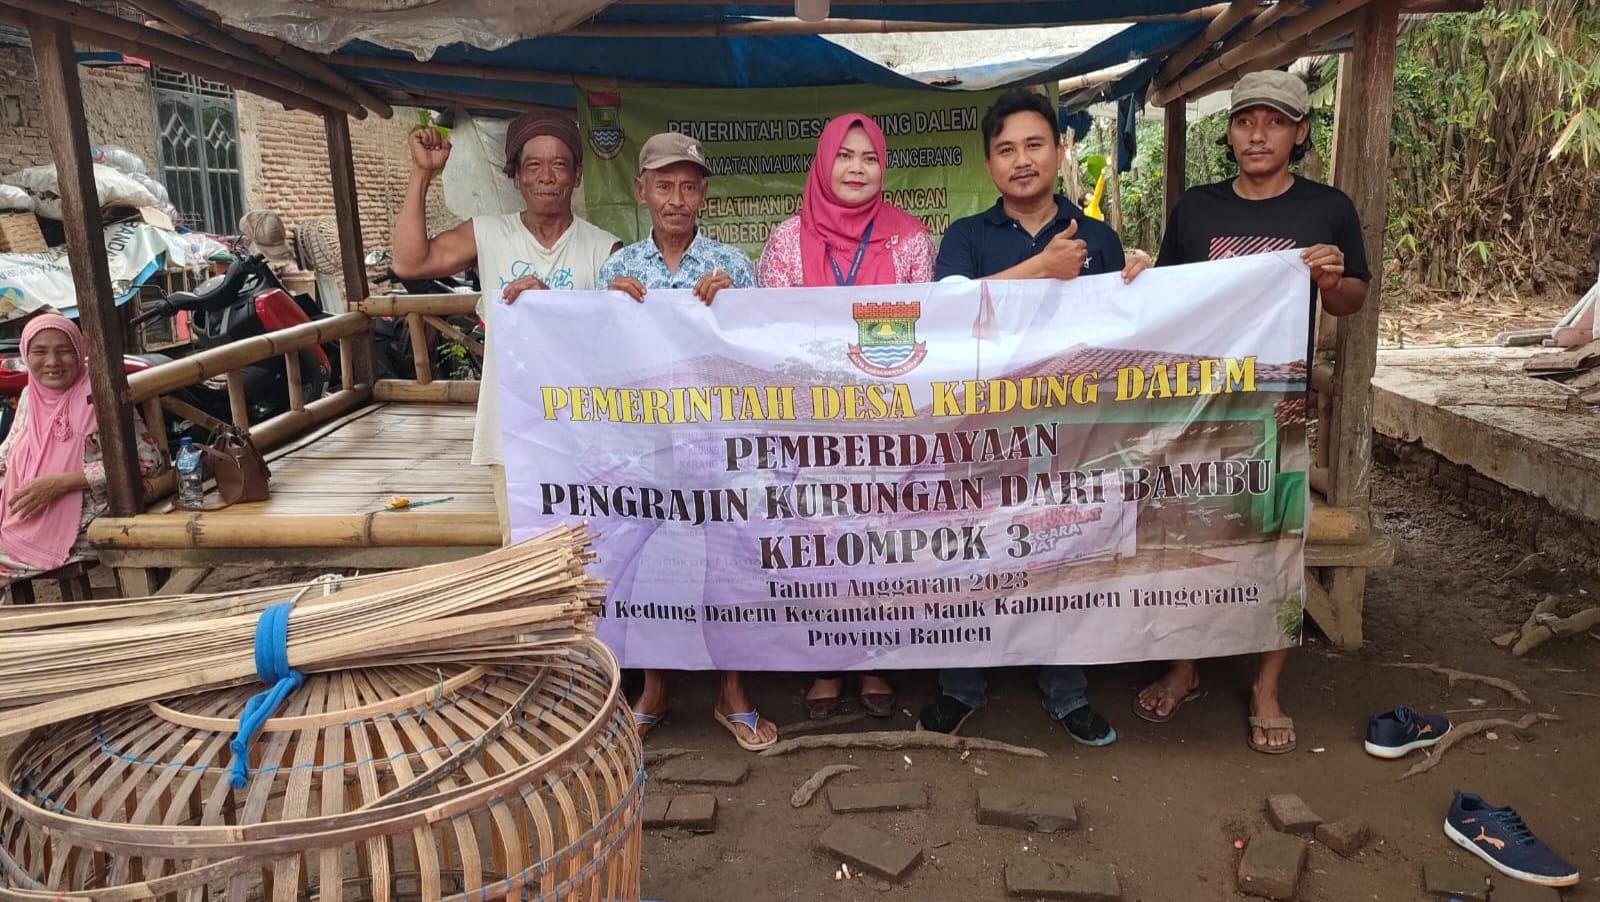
<point x="1475" y="407"/>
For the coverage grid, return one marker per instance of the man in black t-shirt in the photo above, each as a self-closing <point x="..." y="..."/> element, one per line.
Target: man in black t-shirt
<point x="1265" y="208"/>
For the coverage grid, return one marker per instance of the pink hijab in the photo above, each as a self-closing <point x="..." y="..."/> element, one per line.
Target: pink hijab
<point x="826" y="224"/>
<point x="51" y="442"/>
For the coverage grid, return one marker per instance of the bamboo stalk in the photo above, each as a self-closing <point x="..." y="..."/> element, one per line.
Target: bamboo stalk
<point x="1269" y="43"/>
<point x="1235" y="13"/>
<point x="1287" y="53"/>
<point x="202" y="366"/>
<point x="462" y="338"/>
<point x="443" y="391"/>
<point x="485" y="73"/>
<point x="425" y="304"/>
<point x="420" y="358"/>
<point x="291" y="368"/>
<point x="286" y="426"/>
<point x="238" y="407"/>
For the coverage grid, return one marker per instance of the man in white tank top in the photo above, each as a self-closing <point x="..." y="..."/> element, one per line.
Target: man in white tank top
<point x="541" y="248"/>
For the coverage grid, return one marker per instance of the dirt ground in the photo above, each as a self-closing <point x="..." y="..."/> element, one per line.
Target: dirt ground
<point x="1164" y="805"/>
<point x="1423" y="319"/>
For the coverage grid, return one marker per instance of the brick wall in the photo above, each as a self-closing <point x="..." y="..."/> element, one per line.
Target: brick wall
<point x="116" y="103"/>
<point x="286" y="167"/>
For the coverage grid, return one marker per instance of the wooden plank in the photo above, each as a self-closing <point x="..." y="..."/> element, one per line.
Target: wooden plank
<point x="352" y="255"/>
<point x="1362" y="171"/>
<point x="1377" y="552"/>
<point x="184" y="580"/>
<point x="55" y="61"/>
<point x="1175" y="153"/>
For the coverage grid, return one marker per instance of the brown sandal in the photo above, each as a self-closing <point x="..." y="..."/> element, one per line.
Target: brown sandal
<point x="1271" y="723"/>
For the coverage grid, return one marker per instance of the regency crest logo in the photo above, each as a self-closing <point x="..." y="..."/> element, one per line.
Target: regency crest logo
<point x="605" y="124"/>
<point x="888" y="343"/>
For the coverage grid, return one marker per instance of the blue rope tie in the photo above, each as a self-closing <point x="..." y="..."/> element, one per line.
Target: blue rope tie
<point x="272" y="668"/>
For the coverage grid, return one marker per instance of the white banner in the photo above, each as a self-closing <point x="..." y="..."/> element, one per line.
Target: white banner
<point x="956" y="474"/>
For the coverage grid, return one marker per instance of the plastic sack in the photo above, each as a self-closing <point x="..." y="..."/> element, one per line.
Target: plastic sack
<point x="474" y="180"/>
<point x="14" y="198"/>
<point x="121" y="159"/>
<point x="114" y="189"/>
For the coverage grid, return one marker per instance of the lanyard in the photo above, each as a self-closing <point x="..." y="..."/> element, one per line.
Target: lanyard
<point x="840" y="278"/>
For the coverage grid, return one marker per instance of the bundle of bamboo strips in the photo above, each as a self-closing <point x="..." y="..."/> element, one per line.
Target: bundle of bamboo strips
<point x="63" y="661"/>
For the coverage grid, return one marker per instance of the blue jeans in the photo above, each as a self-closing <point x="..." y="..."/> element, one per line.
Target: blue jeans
<point x="1063" y="686"/>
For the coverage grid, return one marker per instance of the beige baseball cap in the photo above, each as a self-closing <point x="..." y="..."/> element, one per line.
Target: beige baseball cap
<point x="1283" y="91"/>
<point x="671" y="147"/>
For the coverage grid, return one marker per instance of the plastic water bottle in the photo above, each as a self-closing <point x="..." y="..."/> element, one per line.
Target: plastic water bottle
<point x="191" y="476"/>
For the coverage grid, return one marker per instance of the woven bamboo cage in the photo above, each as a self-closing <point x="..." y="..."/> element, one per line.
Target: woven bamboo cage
<point x="514" y="780"/>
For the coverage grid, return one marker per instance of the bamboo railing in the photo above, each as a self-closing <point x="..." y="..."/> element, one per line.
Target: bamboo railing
<point x="421" y="313"/>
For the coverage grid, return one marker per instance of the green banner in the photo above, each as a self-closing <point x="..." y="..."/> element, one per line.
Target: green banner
<point x="760" y="143"/>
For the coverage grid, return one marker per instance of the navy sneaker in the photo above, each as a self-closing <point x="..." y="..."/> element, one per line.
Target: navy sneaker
<point x="1498" y="836"/>
<point x="1397" y="733"/>
<point x="1087" y="727"/>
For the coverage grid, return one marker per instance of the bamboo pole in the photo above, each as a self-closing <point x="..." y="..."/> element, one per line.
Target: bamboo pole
<point x="1200" y="43"/>
<point x="238" y="407"/>
<point x="347" y="367"/>
<point x="1175" y="154"/>
<point x="242" y="527"/>
<point x="208" y="35"/>
<point x="291" y="424"/>
<point x="55" y="63"/>
<point x="1287" y="53"/>
<point x="1203" y="13"/>
<point x="487" y="73"/>
<point x="462" y="338"/>
<point x="100" y="29"/>
<point x="1268" y="42"/>
<point x="1093" y="79"/>
<point x="291" y="369"/>
<point x="202" y="366"/>
<point x="425" y="304"/>
<point x="419" y="348"/>
<point x="772" y="27"/>
<point x="429" y="97"/>
<point x="443" y="391"/>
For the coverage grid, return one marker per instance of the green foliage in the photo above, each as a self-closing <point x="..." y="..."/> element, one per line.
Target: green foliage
<point x="1291" y="615"/>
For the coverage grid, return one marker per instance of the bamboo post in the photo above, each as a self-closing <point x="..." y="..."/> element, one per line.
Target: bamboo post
<point x="351" y="253"/>
<point x="1218" y="28"/>
<point x="419" y="348"/>
<point x="1175" y="153"/>
<point x="1114" y="176"/>
<point x="55" y="60"/>
<point x="238" y="407"/>
<point x="291" y="371"/>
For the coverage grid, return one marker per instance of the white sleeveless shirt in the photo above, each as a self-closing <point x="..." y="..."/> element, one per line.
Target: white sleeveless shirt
<point x="507" y="251"/>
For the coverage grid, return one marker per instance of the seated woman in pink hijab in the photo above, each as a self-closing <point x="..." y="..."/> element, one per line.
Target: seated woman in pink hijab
<point x="52" y="480"/>
<point x="847" y="234"/>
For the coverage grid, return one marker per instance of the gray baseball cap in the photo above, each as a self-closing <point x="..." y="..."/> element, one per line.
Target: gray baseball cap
<point x="671" y="147"/>
<point x="1283" y="91"/>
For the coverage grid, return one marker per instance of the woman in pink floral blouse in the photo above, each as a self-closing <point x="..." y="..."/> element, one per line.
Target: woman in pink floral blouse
<point x="847" y="234"/>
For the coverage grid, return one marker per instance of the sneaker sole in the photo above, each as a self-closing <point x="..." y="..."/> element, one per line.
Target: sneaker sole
<point x="1094" y="743"/>
<point x="1538" y="879"/>
<point x="1400" y="751"/>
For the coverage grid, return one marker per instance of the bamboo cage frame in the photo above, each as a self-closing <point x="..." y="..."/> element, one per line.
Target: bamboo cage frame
<point x="1239" y="37"/>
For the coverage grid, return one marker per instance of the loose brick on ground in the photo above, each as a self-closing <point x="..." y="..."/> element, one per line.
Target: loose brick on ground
<point x="1345" y="836"/>
<point x="876" y="797"/>
<point x="1271" y="865"/>
<point x="870" y="850"/>
<point x="655" y="810"/>
<point x="707" y="773"/>
<point x="1441" y="877"/>
<point x="1038" y="812"/>
<point x="1041" y="878"/>
<point x="1290" y="814"/>
<point x="695" y="812"/>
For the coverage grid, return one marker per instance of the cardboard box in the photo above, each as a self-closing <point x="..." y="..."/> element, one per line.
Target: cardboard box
<point x="19" y="234"/>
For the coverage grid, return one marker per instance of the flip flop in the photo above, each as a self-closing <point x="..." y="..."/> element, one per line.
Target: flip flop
<point x="1144" y="713"/>
<point x="750" y="720"/>
<point x="644" y="723"/>
<point x="1272" y="723"/>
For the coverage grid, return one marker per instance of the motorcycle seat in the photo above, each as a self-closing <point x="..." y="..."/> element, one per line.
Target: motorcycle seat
<point x="227" y="286"/>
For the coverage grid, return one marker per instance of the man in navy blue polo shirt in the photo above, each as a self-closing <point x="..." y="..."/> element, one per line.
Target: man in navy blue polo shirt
<point x="1031" y="232"/>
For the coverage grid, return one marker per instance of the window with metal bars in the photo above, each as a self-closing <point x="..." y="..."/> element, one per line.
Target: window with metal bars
<point x="198" y="123"/>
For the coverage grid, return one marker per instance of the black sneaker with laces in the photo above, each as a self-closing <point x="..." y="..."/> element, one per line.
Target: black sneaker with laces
<point x="1087" y="727"/>
<point x="945" y="715"/>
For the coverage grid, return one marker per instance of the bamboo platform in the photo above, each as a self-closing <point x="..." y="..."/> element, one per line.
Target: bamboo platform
<point x="329" y="491"/>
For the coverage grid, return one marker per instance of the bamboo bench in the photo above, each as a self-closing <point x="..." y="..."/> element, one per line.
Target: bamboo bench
<point x="336" y="460"/>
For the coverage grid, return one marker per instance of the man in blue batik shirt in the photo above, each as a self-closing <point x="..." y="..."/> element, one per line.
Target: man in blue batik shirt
<point x="672" y="184"/>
